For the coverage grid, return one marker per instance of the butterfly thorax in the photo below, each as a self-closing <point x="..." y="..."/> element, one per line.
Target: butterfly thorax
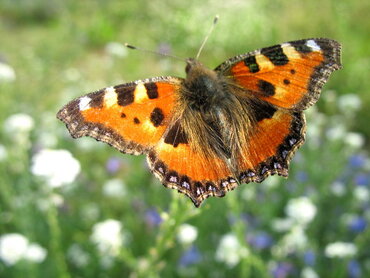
<point x="203" y="89"/>
<point x="211" y="115"/>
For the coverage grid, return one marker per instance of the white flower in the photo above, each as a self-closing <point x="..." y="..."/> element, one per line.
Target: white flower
<point x="362" y="194"/>
<point x="107" y="235"/>
<point x="349" y="103"/>
<point x="12" y="248"/>
<point x="18" y="123"/>
<point x="35" y="253"/>
<point x="58" y="167"/>
<point x="340" y="250"/>
<point x="301" y="209"/>
<point x="308" y="272"/>
<point x="187" y="234"/>
<point x="114" y="188"/>
<point x="3" y="153"/>
<point x="78" y="256"/>
<point x="116" y="49"/>
<point x="337" y="132"/>
<point x="338" y="188"/>
<point x="230" y="251"/>
<point x="7" y="73"/>
<point x="282" y="224"/>
<point x="294" y="241"/>
<point x="15" y="247"/>
<point x="354" y="140"/>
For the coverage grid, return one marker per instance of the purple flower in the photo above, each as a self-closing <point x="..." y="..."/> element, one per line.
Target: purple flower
<point x="354" y="269"/>
<point x="362" y="179"/>
<point x="282" y="270"/>
<point x="113" y="164"/>
<point x="357" y="225"/>
<point x="260" y="241"/>
<point x="309" y="258"/>
<point x="190" y="256"/>
<point x="357" y="161"/>
<point x="152" y="218"/>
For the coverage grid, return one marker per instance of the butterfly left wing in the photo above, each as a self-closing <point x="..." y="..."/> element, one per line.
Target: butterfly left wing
<point x="131" y="117"/>
<point x="288" y="75"/>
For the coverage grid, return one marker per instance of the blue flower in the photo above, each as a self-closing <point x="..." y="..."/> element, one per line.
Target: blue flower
<point x="190" y="256"/>
<point x="357" y="161"/>
<point x="153" y="218"/>
<point x="357" y="224"/>
<point x="362" y="179"/>
<point x="354" y="269"/>
<point x="260" y="241"/>
<point x="309" y="258"/>
<point x="282" y="270"/>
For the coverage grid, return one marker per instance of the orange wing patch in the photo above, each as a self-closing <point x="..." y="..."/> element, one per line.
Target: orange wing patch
<point x="179" y="167"/>
<point x="289" y="75"/>
<point x="131" y="117"/>
<point x="272" y="145"/>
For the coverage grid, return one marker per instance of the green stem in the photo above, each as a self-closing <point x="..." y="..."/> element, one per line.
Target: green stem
<point x="179" y="212"/>
<point x="56" y="249"/>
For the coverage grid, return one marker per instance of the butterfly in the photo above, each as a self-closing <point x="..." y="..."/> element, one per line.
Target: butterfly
<point x="205" y="134"/>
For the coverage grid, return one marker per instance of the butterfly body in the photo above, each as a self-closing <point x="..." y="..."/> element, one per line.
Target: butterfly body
<point x="205" y="134"/>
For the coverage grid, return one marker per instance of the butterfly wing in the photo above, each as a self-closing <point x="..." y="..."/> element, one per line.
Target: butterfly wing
<point x="288" y="75"/>
<point x="281" y="81"/>
<point x="131" y="117"/>
<point x="179" y="166"/>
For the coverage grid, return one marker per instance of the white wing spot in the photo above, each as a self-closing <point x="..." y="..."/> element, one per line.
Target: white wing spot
<point x="84" y="103"/>
<point x="313" y="45"/>
<point x="110" y="97"/>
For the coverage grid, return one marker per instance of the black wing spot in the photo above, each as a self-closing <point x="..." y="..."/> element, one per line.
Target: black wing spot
<point x="97" y="99"/>
<point x="151" y="90"/>
<point x="286" y="81"/>
<point x="266" y="87"/>
<point x="125" y="94"/>
<point x="136" y="121"/>
<point x="261" y="110"/>
<point x="176" y="135"/>
<point x="156" y="117"/>
<point x="301" y="46"/>
<point x="251" y="63"/>
<point x="276" y="55"/>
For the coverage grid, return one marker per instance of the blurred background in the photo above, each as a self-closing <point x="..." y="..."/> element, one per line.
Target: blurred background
<point x="79" y="208"/>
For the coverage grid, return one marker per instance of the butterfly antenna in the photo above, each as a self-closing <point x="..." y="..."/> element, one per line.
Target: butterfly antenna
<point x="153" y="52"/>
<point x="215" y="20"/>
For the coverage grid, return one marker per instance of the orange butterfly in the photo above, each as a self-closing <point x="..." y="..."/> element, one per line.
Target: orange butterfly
<point x="207" y="133"/>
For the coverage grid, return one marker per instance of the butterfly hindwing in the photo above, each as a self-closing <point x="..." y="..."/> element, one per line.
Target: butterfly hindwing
<point x="288" y="75"/>
<point x="178" y="166"/>
<point x="272" y="145"/>
<point x="131" y="117"/>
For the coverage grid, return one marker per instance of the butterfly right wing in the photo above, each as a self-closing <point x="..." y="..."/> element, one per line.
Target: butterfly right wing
<point x="288" y="75"/>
